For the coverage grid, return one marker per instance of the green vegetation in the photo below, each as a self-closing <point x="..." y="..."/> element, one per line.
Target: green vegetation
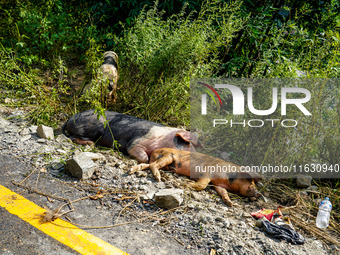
<point x="49" y="49"/>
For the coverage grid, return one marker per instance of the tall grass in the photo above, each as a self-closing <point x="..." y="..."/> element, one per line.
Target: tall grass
<point x="158" y="57"/>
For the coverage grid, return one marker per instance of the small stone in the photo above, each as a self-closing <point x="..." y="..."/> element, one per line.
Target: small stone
<point x="304" y="181"/>
<point x="196" y="195"/>
<point x="48" y="149"/>
<point x="45" y="132"/>
<point x="25" y="138"/>
<point x="220" y="219"/>
<point x="80" y="166"/>
<point x="41" y="140"/>
<point x="227" y="224"/>
<point x="225" y="156"/>
<point x="61" y="151"/>
<point x="8" y="100"/>
<point x="191" y="206"/>
<point x="24" y="132"/>
<point x="312" y="188"/>
<point x="62" y="139"/>
<point x="33" y="129"/>
<point x="160" y="185"/>
<point x="148" y="195"/>
<point x="57" y="165"/>
<point x="93" y="156"/>
<point x="141" y="174"/>
<point x="169" y="198"/>
<point x="143" y="187"/>
<point x="9" y="130"/>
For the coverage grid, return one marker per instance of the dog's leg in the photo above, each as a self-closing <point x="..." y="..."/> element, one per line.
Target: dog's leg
<point x="224" y="194"/>
<point x="201" y="184"/>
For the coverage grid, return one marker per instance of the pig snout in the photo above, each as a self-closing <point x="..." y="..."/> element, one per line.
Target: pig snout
<point x="251" y="190"/>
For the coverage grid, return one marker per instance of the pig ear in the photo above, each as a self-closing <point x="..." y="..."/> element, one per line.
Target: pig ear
<point x="250" y="175"/>
<point x="190" y="138"/>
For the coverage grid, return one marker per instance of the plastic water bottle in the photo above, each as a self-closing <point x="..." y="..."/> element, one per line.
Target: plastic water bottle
<point x="325" y="208"/>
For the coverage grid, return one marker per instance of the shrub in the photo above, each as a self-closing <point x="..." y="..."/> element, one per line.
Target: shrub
<point x="158" y="57"/>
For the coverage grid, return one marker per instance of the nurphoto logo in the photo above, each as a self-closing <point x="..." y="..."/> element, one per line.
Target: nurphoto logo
<point x="238" y="100"/>
<point x="276" y="127"/>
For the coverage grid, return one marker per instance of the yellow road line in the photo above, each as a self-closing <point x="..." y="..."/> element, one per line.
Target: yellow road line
<point x="63" y="231"/>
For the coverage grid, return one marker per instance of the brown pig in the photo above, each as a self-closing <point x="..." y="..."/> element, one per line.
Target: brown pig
<point x="181" y="162"/>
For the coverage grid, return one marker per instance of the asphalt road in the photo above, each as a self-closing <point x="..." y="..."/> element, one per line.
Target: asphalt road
<point x="16" y="235"/>
<point x="19" y="237"/>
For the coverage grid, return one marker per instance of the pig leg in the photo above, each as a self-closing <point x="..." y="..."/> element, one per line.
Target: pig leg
<point x="140" y="154"/>
<point x="201" y="184"/>
<point x="160" y="163"/>
<point x="82" y="142"/>
<point x="154" y="166"/>
<point x="224" y="194"/>
<point x="138" y="168"/>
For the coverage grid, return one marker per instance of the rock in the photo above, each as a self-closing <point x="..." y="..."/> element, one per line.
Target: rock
<point x="33" y="129"/>
<point x="93" y="156"/>
<point x="148" y="195"/>
<point x="219" y="219"/>
<point x="160" y="185"/>
<point x="225" y="156"/>
<point x="141" y="174"/>
<point x="80" y="166"/>
<point x="196" y="195"/>
<point x="205" y="217"/>
<point x="227" y="224"/>
<point x="48" y="149"/>
<point x="303" y="181"/>
<point x="9" y="100"/>
<point x="57" y="165"/>
<point x="24" y="132"/>
<point x="25" y="138"/>
<point x="63" y="139"/>
<point x="45" y="132"/>
<point x="4" y="123"/>
<point x="61" y="151"/>
<point x="169" y="198"/>
<point x="312" y="188"/>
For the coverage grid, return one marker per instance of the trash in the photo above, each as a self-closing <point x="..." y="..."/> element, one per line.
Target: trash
<point x="325" y="208"/>
<point x="263" y="213"/>
<point x="281" y="232"/>
<point x="277" y="225"/>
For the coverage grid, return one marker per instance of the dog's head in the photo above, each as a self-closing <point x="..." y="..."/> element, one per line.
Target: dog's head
<point x="111" y="54"/>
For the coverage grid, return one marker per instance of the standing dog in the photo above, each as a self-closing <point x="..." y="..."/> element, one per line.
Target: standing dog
<point x="110" y="72"/>
<point x="181" y="162"/>
<point x="136" y="137"/>
<point x="108" y="75"/>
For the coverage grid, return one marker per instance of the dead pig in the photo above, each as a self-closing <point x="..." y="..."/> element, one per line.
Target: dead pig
<point x="181" y="162"/>
<point x="136" y="137"/>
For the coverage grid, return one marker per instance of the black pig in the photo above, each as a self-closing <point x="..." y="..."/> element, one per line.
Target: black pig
<point x="136" y="137"/>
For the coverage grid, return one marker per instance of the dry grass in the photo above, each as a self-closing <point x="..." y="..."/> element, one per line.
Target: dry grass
<point x="303" y="208"/>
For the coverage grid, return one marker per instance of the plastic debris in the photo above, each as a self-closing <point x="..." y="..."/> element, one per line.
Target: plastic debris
<point x="277" y="225"/>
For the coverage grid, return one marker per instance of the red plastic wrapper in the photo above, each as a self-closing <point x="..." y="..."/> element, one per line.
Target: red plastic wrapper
<point x="264" y="213"/>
